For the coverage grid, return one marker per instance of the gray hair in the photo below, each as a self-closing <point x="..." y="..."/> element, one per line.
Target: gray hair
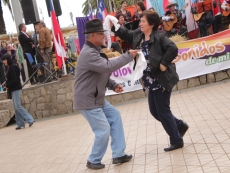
<point x="42" y="24"/>
<point x="87" y="36"/>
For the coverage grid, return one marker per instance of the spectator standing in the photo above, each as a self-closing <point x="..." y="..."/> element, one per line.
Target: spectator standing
<point x="14" y="88"/>
<point x="26" y="43"/>
<point x="45" y="44"/>
<point x="140" y="8"/>
<point x="126" y="13"/>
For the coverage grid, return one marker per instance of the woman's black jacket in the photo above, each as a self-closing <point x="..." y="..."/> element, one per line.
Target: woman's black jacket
<point x="161" y="51"/>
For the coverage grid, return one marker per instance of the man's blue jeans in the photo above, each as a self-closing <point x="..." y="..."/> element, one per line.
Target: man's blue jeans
<point x="105" y="122"/>
<point x="21" y="113"/>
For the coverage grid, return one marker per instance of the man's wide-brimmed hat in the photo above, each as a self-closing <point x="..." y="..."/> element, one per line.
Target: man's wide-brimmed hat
<point x="171" y="4"/>
<point x="94" y="25"/>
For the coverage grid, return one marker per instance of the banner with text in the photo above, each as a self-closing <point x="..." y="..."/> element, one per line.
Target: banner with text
<point x="203" y="55"/>
<point x="124" y="76"/>
<point x="195" y="58"/>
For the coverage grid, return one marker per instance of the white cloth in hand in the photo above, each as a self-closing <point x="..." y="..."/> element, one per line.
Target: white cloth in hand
<point x="141" y="65"/>
<point x="106" y="26"/>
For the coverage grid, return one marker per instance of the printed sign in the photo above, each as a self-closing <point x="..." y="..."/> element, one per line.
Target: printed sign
<point x="125" y="76"/>
<point x="204" y="55"/>
<point x="195" y="58"/>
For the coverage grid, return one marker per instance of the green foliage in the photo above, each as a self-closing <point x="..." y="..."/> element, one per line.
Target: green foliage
<point x="2" y="22"/>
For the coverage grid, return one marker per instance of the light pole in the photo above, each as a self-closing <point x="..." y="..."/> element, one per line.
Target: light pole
<point x="17" y="13"/>
<point x="110" y="6"/>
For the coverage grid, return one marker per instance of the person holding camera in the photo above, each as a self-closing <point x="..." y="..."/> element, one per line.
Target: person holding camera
<point x="14" y="88"/>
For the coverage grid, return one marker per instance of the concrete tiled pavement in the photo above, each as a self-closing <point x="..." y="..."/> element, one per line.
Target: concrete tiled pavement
<point x="62" y="144"/>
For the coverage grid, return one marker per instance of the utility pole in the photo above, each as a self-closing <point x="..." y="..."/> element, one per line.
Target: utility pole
<point x="17" y="13"/>
<point x="114" y="6"/>
<point x="110" y="6"/>
<point x="71" y="17"/>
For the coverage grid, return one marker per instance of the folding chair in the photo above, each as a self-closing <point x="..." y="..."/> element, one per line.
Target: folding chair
<point x="37" y="67"/>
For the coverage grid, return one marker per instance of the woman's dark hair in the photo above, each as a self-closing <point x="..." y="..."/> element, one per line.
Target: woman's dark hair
<point x="152" y="18"/>
<point x="119" y="15"/>
<point x="141" y="5"/>
<point x="8" y="58"/>
<point x="151" y="8"/>
<point x="122" y="2"/>
<point x="3" y="42"/>
<point x="20" y="26"/>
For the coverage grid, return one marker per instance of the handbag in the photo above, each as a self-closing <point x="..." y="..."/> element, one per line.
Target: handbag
<point x="169" y="78"/>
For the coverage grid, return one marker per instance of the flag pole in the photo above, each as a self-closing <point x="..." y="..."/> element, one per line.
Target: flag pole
<point x="62" y="57"/>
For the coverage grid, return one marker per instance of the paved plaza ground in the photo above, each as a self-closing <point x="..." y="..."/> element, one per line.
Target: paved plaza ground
<point x="62" y="144"/>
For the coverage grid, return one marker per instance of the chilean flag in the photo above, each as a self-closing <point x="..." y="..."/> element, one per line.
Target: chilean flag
<point x="58" y="38"/>
<point x="102" y="12"/>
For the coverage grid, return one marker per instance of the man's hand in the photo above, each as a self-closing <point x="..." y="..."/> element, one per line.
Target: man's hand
<point x="227" y="8"/>
<point x="119" y="89"/>
<point x="162" y="67"/>
<point x="133" y="52"/>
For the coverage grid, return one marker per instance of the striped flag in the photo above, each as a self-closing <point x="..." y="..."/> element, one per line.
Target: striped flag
<point x="102" y="12"/>
<point x="58" y="38"/>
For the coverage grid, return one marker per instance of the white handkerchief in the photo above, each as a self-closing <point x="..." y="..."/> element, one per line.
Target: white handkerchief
<point x="106" y="26"/>
<point x="141" y="65"/>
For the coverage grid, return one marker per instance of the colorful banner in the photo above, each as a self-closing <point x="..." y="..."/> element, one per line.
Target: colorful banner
<point x="124" y="76"/>
<point x="203" y="55"/>
<point x="195" y="58"/>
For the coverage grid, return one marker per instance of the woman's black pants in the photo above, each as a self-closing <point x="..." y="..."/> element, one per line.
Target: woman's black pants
<point x="159" y="106"/>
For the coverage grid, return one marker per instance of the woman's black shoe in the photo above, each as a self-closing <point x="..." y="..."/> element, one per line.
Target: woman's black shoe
<point x="174" y="147"/>
<point x="122" y="159"/>
<point x="183" y="129"/>
<point x="95" y="166"/>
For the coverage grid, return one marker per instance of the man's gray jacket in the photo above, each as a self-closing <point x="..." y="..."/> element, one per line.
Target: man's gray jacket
<point x="92" y="76"/>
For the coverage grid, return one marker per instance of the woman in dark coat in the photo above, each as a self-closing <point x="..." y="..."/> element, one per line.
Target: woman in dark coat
<point x="14" y="88"/>
<point x="159" y="52"/>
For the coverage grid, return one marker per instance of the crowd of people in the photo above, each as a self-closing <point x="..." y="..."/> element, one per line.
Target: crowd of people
<point x="174" y="19"/>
